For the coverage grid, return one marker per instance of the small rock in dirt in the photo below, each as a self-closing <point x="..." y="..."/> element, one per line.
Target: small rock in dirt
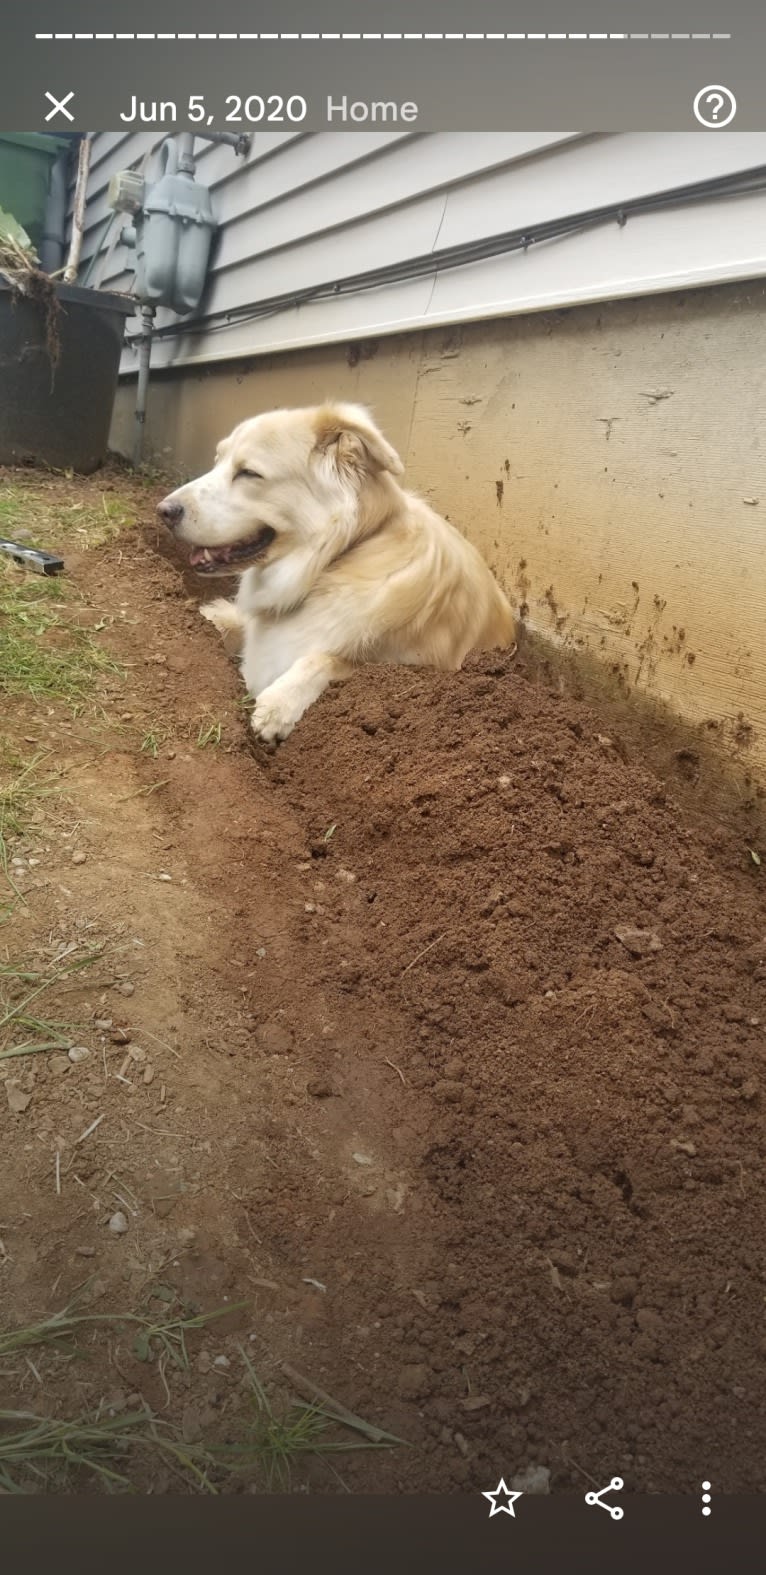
<point x="476" y="1402"/>
<point x="120" y="1036"/>
<point x="361" y="1159"/>
<point x="78" y="1053"/>
<point x="186" y="1235"/>
<point x="415" y="1382"/>
<point x="191" y="1425"/>
<point x="274" y="1038"/>
<point x="684" y="1146"/>
<point x="58" y="1064"/>
<point x="755" y="956"/>
<point x="750" y="1088"/>
<point x="644" y="1345"/>
<point x="118" y="1224"/>
<point x="534" y="1479"/>
<point x="149" y="1074"/>
<point x="347" y="875"/>
<point x="320" y="1088"/>
<point x="164" y="876"/>
<point x="85" y="1252"/>
<point x="126" y="988"/>
<point x="624" y="1291"/>
<point x="660" y="1019"/>
<point x="649" y="1321"/>
<point x="451" y="1093"/>
<point x="512" y="988"/>
<point x="638" y="942"/>
<point x="454" y="1069"/>
<point x="78" y="857"/>
<point x="18" y="1101"/>
<point x="565" y="1261"/>
<point x="221" y="1362"/>
<point x="103" y="1023"/>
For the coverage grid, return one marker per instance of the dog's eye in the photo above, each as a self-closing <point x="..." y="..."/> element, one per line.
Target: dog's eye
<point x="254" y="475"/>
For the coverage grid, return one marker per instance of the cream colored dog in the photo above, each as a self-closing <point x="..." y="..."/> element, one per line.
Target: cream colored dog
<point x="339" y="565"/>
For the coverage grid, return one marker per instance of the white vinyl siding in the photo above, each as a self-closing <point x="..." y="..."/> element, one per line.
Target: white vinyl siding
<point x="305" y="210"/>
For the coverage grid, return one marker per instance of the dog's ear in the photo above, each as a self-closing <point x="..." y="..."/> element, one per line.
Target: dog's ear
<point x="347" y="435"/>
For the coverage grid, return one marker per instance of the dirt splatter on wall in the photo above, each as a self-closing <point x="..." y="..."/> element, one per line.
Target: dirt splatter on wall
<point x="615" y="451"/>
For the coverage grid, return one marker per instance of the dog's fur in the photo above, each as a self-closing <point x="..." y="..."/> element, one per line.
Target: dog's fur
<point x="340" y="566"/>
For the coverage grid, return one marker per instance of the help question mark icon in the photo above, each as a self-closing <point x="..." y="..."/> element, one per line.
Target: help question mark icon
<point x="715" y="106"/>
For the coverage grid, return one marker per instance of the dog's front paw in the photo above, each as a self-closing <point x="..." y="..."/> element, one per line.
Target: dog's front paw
<point x="271" y="720"/>
<point x="222" y="614"/>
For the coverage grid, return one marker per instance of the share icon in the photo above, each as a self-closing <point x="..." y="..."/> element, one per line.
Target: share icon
<point x="615" y="1486"/>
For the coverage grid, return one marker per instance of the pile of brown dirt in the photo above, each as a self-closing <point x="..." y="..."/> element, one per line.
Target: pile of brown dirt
<point x="455" y="1021"/>
<point x="572" y="982"/>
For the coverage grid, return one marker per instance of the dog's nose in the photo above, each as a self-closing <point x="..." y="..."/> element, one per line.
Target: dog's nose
<point x="170" y="512"/>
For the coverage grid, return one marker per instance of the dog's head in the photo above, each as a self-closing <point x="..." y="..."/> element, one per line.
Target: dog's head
<point x="284" y="480"/>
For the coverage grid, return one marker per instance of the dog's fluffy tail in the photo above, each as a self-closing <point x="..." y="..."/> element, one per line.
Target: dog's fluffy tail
<point x="500" y="626"/>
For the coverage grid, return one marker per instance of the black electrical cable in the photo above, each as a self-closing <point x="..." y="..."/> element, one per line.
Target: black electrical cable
<point x="467" y="253"/>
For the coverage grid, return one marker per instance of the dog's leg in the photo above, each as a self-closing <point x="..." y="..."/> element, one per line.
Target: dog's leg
<point x="226" y="617"/>
<point x="283" y="703"/>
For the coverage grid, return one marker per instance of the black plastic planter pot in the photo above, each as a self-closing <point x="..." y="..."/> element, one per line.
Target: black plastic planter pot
<point x="58" y="376"/>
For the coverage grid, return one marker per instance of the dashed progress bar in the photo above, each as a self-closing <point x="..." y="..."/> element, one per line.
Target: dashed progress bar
<point x="380" y="38"/>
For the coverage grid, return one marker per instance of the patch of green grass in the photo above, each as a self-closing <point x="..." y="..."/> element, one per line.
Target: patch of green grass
<point x="43" y="654"/>
<point x="45" y="1450"/>
<point x="20" y="988"/>
<point x="209" y="733"/>
<point x="54" y="518"/>
<point x="153" y="740"/>
<point x="274" y="1443"/>
<point x="154" y="1336"/>
<point x="21" y="788"/>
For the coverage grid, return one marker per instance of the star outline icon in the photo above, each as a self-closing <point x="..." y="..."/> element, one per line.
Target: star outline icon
<point x="502" y="1509"/>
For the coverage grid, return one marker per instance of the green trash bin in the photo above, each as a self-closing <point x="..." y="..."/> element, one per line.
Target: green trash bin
<point x="26" y="161"/>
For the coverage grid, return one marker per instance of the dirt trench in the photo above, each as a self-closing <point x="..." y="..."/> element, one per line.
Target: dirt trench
<point x="436" y="1037"/>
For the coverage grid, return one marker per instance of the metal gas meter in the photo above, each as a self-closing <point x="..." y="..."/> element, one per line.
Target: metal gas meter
<point x="172" y="229"/>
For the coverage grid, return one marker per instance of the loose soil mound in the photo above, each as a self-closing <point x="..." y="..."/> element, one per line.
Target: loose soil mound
<point x="573" y="984"/>
<point x="454" y="1020"/>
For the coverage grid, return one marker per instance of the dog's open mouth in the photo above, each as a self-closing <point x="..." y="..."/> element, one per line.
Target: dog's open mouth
<point x="208" y="560"/>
